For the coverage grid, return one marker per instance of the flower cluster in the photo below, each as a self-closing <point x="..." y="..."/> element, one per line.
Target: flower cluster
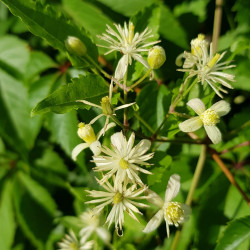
<point x="207" y="66"/>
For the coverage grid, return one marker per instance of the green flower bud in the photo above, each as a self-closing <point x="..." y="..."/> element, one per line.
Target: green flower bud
<point x="75" y="46"/>
<point x="156" y="57"/>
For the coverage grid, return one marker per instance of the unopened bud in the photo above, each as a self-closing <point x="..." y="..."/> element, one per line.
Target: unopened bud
<point x="156" y="57"/>
<point x="86" y="133"/>
<point x="106" y="106"/>
<point x="75" y="46"/>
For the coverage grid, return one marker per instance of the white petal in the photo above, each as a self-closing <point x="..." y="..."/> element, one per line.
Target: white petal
<point x="104" y="234"/>
<point x="95" y="148"/>
<point x="173" y="187"/>
<point x="154" y="222"/>
<point x="121" y="68"/>
<point x="197" y="105"/>
<point x="214" y="134"/>
<point x="221" y="107"/>
<point x="140" y="59"/>
<point x="155" y="199"/>
<point x="78" y="149"/>
<point x="101" y="132"/>
<point x="191" y="124"/>
<point x="124" y="106"/>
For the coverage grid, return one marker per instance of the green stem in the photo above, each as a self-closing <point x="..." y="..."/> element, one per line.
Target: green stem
<point x="125" y="117"/>
<point x="196" y="178"/>
<point x="140" y="80"/>
<point x="190" y="87"/>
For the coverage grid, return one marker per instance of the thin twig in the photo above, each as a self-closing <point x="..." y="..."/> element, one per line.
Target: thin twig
<point x="217" y="23"/>
<point x="228" y="174"/>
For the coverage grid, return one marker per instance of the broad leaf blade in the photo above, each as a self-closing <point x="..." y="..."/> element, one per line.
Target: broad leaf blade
<point x="91" y="88"/>
<point x="235" y="233"/>
<point x="46" y="23"/>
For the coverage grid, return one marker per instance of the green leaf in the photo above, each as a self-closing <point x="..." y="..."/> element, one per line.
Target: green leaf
<point x="128" y="7"/>
<point x="38" y="63"/>
<point x="35" y="209"/>
<point x="154" y="102"/>
<point x="234" y="234"/>
<point x="171" y="29"/>
<point x="91" y="88"/>
<point x="14" y="56"/>
<point x="8" y="225"/>
<point x="47" y="23"/>
<point x="88" y="16"/>
<point x="18" y="125"/>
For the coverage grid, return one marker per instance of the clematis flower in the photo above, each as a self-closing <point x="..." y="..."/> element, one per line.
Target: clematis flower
<point x="122" y="198"/>
<point x="129" y="44"/>
<point x="70" y="242"/>
<point x="124" y="159"/>
<point x="207" y="66"/>
<point x="91" y="223"/>
<point x="207" y="118"/>
<point x="87" y="134"/>
<point x="106" y="107"/>
<point x="173" y="212"/>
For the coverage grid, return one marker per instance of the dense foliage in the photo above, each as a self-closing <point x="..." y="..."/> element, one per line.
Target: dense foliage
<point x="43" y="191"/>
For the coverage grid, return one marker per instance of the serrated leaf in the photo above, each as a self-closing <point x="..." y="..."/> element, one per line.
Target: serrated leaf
<point x="234" y="234"/>
<point x="91" y="88"/>
<point x="49" y="24"/>
<point x="7" y="225"/>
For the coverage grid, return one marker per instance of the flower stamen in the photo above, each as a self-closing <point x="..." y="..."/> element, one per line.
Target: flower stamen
<point x="117" y="198"/>
<point x="174" y="213"/>
<point x="210" y="117"/>
<point x="123" y="164"/>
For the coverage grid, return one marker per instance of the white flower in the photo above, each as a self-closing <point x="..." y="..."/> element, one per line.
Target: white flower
<point x="70" y="242"/>
<point x="207" y="118"/>
<point x="106" y="107"/>
<point x="87" y="134"/>
<point x="124" y="159"/>
<point x="121" y="198"/>
<point x="91" y="223"/>
<point x="129" y="44"/>
<point x="174" y="213"/>
<point x="207" y="66"/>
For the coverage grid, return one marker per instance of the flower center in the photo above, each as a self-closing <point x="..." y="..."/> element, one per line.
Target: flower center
<point x="73" y="246"/>
<point x="174" y="213"/>
<point x="86" y="133"/>
<point x="210" y="117"/>
<point x="117" y="198"/>
<point x="106" y="106"/>
<point x="213" y="61"/>
<point x="123" y="163"/>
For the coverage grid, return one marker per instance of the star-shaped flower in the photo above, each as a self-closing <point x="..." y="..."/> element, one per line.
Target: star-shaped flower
<point x="173" y="212"/>
<point x="124" y="159"/>
<point x="129" y="44"/>
<point x="207" y="118"/>
<point x="122" y="197"/>
<point x="207" y="66"/>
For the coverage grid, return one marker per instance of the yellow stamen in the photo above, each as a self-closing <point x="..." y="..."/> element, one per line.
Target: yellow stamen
<point x="131" y="32"/>
<point x="210" y="117"/>
<point x="196" y="44"/>
<point x="73" y="246"/>
<point x="214" y="60"/>
<point x="117" y="198"/>
<point x="123" y="163"/>
<point x="174" y="213"/>
<point x="106" y="106"/>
